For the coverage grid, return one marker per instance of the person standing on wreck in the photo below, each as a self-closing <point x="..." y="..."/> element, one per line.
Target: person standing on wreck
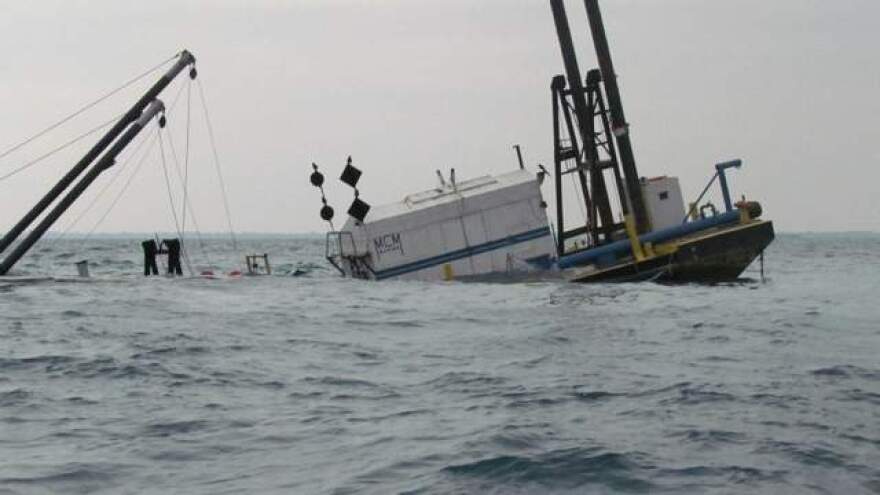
<point x="172" y="247"/>
<point x="150" y="252"/>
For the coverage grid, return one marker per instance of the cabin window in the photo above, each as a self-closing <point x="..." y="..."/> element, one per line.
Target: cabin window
<point x="664" y="195"/>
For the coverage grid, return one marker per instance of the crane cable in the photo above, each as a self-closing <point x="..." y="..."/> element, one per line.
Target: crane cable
<point x="122" y="166"/>
<point x="192" y="211"/>
<point x="85" y="107"/>
<point x="173" y="152"/>
<point x="137" y="168"/>
<point x="192" y="214"/>
<point x="60" y="148"/>
<point x="186" y="200"/>
<point x="217" y="165"/>
<point x="125" y="186"/>
<point x="186" y="159"/>
<point x="171" y="201"/>
<point x="119" y="170"/>
<point x="184" y="179"/>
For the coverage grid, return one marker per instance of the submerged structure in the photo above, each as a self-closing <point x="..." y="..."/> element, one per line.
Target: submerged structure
<point x="467" y="229"/>
<point x="491" y="224"/>
<point x="646" y="232"/>
<point x="634" y="228"/>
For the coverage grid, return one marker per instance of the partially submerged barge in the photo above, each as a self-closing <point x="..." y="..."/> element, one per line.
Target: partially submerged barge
<point x="634" y="228"/>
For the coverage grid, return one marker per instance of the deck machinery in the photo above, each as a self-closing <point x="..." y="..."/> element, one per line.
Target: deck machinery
<point x="634" y="228"/>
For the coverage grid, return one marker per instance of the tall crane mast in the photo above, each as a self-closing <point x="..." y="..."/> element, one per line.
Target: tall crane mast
<point x="620" y="127"/>
<point x="588" y="109"/>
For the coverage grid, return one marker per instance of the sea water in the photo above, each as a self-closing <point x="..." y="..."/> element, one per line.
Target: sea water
<point x="304" y="382"/>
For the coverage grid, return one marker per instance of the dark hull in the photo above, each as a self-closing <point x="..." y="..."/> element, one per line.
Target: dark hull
<point x="719" y="255"/>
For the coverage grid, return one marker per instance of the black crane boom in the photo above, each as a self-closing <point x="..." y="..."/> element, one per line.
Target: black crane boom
<point x="618" y="121"/>
<point x="104" y="163"/>
<point x="184" y="59"/>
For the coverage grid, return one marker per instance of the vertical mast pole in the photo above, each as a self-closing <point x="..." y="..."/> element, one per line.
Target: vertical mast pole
<point x="557" y="167"/>
<point x="618" y="121"/>
<point x="584" y="115"/>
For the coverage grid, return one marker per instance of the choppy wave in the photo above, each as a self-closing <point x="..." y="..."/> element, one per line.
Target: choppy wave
<point x="306" y="383"/>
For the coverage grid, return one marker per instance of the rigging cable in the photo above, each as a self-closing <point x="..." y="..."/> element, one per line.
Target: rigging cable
<point x="186" y="159"/>
<point x="86" y="107"/>
<point x="187" y="204"/>
<point x="60" y="148"/>
<point x="217" y="165"/>
<point x="178" y="229"/>
<point x="53" y="241"/>
<point x="137" y="168"/>
<point x="107" y="186"/>
<point x="82" y="242"/>
<point x="192" y="211"/>
<point x="171" y="202"/>
<point x="119" y="169"/>
<point x="173" y="152"/>
<point x="186" y="200"/>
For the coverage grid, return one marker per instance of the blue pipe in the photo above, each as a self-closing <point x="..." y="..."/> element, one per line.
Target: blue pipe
<point x="592" y="255"/>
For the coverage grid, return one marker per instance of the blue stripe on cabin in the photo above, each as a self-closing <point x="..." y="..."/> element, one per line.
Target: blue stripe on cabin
<point x="463" y="253"/>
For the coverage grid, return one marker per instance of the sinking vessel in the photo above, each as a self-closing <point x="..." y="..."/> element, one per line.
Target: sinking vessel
<point x="633" y="228"/>
<point x="646" y="233"/>
<point x="467" y="229"/>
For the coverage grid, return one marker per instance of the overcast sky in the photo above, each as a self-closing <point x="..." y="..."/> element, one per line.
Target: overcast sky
<point x="790" y="86"/>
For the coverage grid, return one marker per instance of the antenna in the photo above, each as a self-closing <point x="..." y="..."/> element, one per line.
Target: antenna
<point x="522" y="166"/>
<point x="442" y="180"/>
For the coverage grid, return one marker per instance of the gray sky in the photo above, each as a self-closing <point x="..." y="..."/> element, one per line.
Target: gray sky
<point x="409" y="86"/>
